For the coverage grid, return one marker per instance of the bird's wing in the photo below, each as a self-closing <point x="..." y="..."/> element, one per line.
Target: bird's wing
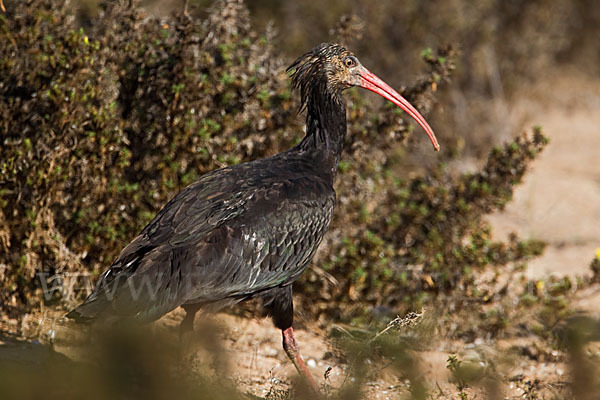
<point x="268" y="247"/>
<point x="216" y="239"/>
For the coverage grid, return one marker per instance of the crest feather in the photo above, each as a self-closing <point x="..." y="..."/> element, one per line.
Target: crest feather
<point x="308" y="71"/>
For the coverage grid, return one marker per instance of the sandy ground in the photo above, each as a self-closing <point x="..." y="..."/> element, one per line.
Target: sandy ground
<point x="559" y="202"/>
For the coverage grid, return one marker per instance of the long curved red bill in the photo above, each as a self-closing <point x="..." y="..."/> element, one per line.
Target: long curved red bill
<point x="371" y="82"/>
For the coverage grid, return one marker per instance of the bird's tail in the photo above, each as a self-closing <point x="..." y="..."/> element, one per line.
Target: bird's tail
<point x="88" y="311"/>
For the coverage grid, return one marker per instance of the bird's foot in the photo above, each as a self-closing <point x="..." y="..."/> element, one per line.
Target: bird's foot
<point x="291" y="349"/>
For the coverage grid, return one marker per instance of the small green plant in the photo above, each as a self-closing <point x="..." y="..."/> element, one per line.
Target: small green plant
<point x="454" y="365"/>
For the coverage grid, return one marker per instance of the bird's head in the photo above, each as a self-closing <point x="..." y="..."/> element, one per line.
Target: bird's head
<point x="330" y="68"/>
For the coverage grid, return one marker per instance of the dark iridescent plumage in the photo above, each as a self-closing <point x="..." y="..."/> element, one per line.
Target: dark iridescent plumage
<point x="235" y="233"/>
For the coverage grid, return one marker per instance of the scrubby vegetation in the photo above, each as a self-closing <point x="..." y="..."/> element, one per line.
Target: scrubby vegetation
<point x="106" y="113"/>
<point x="103" y="126"/>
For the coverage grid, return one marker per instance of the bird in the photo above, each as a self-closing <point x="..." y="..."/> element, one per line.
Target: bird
<point x="249" y="230"/>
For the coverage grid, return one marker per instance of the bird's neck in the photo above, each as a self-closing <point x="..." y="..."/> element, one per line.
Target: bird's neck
<point x="325" y="130"/>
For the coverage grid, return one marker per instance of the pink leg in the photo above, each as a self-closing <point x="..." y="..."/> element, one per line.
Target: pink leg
<point x="291" y="349"/>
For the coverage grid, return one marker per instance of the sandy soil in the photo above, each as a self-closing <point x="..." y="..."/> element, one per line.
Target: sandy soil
<point x="559" y="202"/>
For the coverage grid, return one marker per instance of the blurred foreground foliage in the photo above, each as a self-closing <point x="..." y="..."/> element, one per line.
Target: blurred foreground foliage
<point x="100" y="127"/>
<point x="127" y="363"/>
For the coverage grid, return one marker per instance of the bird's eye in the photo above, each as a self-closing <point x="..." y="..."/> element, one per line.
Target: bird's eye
<point x="349" y="62"/>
